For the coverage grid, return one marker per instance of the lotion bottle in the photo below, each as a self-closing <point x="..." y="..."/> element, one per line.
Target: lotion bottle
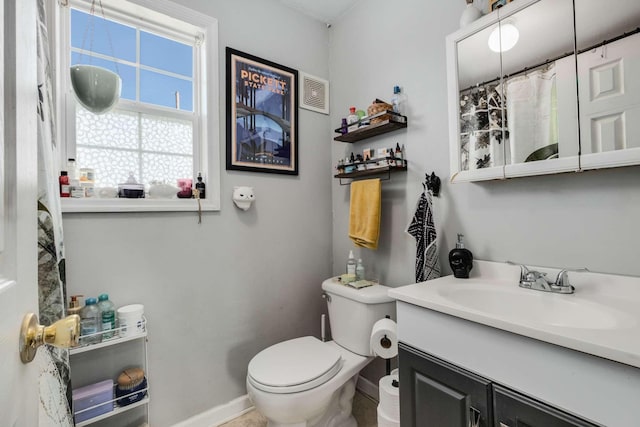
<point x="359" y="270"/>
<point x="351" y="264"/>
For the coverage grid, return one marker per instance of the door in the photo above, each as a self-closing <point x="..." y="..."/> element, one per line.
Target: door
<point x="19" y="400"/>
<point x="513" y="409"/>
<point x="436" y="393"/>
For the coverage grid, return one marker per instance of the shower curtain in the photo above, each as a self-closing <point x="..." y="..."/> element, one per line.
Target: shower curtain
<point x="482" y="123"/>
<point x="53" y="363"/>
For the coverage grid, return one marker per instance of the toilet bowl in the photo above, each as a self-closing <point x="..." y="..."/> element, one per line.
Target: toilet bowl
<point x="307" y="382"/>
<point x="305" y="403"/>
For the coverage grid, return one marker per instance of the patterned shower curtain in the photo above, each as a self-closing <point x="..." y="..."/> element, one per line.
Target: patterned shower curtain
<point x="54" y="377"/>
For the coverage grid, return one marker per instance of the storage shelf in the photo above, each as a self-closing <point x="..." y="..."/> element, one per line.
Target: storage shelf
<point x="106" y="343"/>
<point x="116" y="410"/>
<point x="370" y="173"/>
<point x="395" y="122"/>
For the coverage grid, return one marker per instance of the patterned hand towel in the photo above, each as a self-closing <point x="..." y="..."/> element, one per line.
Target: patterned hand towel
<point x="364" y="213"/>
<point x="423" y="229"/>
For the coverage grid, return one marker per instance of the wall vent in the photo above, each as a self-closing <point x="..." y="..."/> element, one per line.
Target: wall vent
<point x="314" y="93"/>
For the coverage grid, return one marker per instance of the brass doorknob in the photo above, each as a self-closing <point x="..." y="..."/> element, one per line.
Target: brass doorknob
<point x="64" y="334"/>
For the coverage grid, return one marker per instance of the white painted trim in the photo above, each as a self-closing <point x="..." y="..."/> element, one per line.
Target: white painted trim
<point x="369" y="388"/>
<point x="220" y="414"/>
<point x="136" y="205"/>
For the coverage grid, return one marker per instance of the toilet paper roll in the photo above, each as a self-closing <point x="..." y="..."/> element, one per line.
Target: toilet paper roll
<point x="389" y="397"/>
<point x="384" y="339"/>
<point x="385" y="421"/>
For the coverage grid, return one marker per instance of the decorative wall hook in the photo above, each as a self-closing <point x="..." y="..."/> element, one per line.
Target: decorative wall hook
<point x="432" y="182"/>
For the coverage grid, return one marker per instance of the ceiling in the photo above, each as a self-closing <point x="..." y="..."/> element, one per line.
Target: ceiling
<point x="327" y="11"/>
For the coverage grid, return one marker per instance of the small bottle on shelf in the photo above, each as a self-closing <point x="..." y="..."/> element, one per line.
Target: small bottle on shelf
<point x="90" y="322"/>
<point x="359" y="270"/>
<point x="107" y="316"/>
<point x="352" y="118"/>
<point x="72" y="169"/>
<point x="397" y="100"/>
<point x="344" y="127"/>
<point x="200" y="186"/>
<point x="351" y="264"/>
<point x="65" y="188"/>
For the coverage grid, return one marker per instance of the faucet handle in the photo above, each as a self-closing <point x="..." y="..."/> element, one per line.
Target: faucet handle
<point x="563" y="277"/>
<point x="524" y="271"/>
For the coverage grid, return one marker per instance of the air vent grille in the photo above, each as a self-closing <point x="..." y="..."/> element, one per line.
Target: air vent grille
<point x="314" y="95"/>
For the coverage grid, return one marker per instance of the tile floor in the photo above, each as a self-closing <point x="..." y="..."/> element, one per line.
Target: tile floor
<point x="364" y="411"/>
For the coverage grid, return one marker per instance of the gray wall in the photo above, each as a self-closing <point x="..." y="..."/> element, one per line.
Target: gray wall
<point x="217" y="293"/>
<point x="566" y="220"/>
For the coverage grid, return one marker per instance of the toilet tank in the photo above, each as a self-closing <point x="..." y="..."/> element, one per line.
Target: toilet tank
<point x="352" y="313"/>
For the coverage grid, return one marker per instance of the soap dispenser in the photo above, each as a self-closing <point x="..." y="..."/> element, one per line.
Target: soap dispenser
<point x="461" y="260"/>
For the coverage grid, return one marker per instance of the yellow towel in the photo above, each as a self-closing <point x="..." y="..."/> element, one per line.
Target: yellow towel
<point x="364" y="213"/>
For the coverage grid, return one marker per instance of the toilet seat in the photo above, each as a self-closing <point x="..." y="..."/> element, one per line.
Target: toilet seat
<point x="293" y="366"/>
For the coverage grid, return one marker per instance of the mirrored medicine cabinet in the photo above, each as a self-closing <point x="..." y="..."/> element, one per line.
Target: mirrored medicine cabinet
<point x="539" y="87"/>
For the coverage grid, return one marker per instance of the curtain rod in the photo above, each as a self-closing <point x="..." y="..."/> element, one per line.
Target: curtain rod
<point x="548" y="61"/>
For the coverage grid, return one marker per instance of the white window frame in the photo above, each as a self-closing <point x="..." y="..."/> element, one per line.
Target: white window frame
<point x="161" y="14"/>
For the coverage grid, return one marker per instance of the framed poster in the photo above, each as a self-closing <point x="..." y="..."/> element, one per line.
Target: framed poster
<point x="262" y="115"/>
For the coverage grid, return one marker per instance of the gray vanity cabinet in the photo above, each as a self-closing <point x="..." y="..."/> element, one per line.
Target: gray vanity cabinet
<point x="512" y="409"/>
<point x="434" y="392"/>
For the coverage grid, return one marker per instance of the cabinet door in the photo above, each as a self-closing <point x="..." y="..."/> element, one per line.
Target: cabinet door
<point x="513" y="409"/>
<point x="436" y="393"/>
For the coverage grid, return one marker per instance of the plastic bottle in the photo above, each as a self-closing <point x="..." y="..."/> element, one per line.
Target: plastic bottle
<point x="359" y="270"/>
<point x="72" y="169"/>
<point x="351" y="264"/>
<point x="397" y="100"/>
<point x="200" y="186"/>
<point x="352" y="117"/>
<point x="90" y="322"/>
<point x="107" y="316"/>
<point x="65" y="189"/>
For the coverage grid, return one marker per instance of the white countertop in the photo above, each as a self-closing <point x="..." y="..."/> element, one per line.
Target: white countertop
<point x="601" y="318"/>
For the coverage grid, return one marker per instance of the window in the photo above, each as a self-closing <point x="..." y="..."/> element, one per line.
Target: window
<point x="159" y="129"/>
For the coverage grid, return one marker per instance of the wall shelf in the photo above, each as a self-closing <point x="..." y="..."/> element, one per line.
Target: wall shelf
<point x="384" y="172"/>
<point x="393" y="123"/>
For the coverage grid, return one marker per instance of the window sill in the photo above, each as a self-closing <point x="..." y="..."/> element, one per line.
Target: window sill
<point x="70" y="205"/>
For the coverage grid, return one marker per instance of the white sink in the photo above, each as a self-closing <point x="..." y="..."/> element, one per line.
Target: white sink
<point x="601" y="318"/>
<point x="530" y="306"/>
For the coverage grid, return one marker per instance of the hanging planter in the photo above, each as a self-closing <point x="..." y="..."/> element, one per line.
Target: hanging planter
<point x="97" y="89"/>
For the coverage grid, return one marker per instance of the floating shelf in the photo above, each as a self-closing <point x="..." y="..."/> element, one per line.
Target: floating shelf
<point x="394" y="122"/>
<point x="367" y="173"/>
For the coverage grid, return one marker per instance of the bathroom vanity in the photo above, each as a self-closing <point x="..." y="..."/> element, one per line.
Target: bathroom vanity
<point x="485" y="352"/>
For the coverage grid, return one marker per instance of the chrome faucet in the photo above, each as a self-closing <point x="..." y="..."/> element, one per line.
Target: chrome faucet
<point x="531" y="279"/>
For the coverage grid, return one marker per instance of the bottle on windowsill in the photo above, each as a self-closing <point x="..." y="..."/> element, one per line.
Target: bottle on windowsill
<point x="200" y="186"/>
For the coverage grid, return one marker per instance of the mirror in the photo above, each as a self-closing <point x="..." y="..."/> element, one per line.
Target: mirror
<point x="608" y="62"/>
<point x="540" y="90"/>
<point x="528" y="78"/>
<point x="481" y="136"/>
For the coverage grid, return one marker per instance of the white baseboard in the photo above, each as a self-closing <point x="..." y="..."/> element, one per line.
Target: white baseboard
<point x="241" y="405"/>
<point x="367" y="387"/>
<point x="220" y="414"/>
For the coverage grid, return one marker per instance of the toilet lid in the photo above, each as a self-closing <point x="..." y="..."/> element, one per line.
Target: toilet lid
<point x="295" y="365"/>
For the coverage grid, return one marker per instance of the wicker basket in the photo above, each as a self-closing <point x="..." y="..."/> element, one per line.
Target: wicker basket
<point x="376" y="108"/>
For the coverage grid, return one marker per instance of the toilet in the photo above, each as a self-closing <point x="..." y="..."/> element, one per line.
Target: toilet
<point x="307" y="382"/>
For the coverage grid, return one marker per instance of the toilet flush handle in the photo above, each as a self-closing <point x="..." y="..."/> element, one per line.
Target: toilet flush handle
<point x="326" y="296"/>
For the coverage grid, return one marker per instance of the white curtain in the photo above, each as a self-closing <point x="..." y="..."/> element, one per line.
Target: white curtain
<point x="54" y="378"/>
<point x="532" y="112"/>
